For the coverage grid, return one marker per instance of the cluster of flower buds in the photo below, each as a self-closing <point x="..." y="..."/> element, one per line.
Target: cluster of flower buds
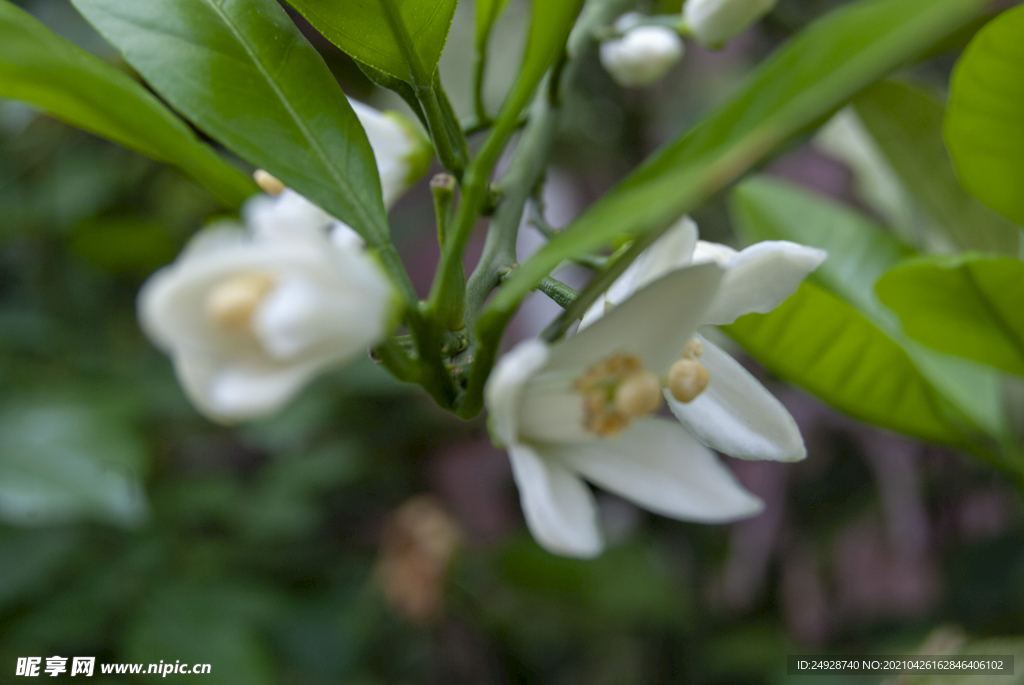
<point x="642" y="53"/>
<point x="252" y="310"/>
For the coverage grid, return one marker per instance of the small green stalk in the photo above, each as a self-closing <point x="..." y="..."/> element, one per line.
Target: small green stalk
<point x="442" y="187"/>
<point x="540" y="130"/>
<point x="445" y="130"/>
<point x="559" y="292"/>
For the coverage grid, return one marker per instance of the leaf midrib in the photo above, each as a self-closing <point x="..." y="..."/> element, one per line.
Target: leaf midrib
<point x="369" y="226"/>
<point x="997" y="316"/>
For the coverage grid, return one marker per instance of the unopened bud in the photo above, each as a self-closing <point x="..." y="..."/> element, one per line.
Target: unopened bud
<point x="639" y="395"/>
<point x="642" y="56"/>
<point x="687" y="379"/>
<point x="267" y="183"/>
<point x="712" y="22"/>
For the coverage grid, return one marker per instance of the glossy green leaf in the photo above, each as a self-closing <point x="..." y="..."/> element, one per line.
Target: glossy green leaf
<point x="985" y="120"/>
<point x="813" y="74"/>
<point x="859" y="253"/>
<point x="243" y="73"/>
<point x="972" y="307"/>
<point x="906" y="122"/>
<point x="41" y="68"/>
<point x="64" y="461"/>
<point x="402" y="38"/>
<point x="824" y="345"/>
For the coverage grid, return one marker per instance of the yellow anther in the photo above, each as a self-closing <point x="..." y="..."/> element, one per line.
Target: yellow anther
<point x="639" y="394"/>
<point x="693" y="349"/>
<point x="267" y="183"/>
<point x="622" y="365"/>
<point x="232" y="302"/>
<point x="608" y="425"/>
<point x="616" y="391"/>
<point x="687" y="379"/>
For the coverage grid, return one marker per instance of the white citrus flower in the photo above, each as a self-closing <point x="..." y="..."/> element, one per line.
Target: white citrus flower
<point x="401" y="150"/>
<point x="735" y="414"/>
<point x="643" y="54"/>
<point x="713" y="22"/>
<point x="584" y="409"/>
<point x="249" y="316"/>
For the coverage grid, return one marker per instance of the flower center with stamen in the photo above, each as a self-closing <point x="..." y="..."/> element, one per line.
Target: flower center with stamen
<point x="232" y="302"/>
<point x="615" y="392"/>
<point x="688" y="378"/>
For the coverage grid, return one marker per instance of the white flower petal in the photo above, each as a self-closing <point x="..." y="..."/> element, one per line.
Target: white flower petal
<point x="558" y="506"/>
<point x="345" y="238"/>
<point x="759" y="278"/>
<point x="670" y="252"/>
<point x="401" y="152"/>
<point x="736" y="415"/>
<point x="286" y="217"/>
<point x="705" y="251"/>
<point x="228" y="392"/>
<point x="659" y="466"/>
<point x="507" y="384"/>
<point x="654" y="324"/>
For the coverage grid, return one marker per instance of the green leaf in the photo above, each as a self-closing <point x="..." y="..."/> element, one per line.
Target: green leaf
<point x="365" y="31"/>
<point x="824" y="345"/>
<point x="41" y="68"/>
<point x="64" y="461"/>
<point x="968" y="306"/>
<point x="985" y="120"/>
<point x="812" y="75"/>
<point x="906" y="122"/>
<point x="859" y="253"/>
<point x="243" y="73"/>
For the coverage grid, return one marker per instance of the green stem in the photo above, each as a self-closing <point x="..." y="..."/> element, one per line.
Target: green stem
<point x="434" y="377"/>
<point x="536" y="147"/>
<point x="524" y="172"/>
<point x="395" y="359"/>
<point x="388" y="255"/>
<point x="442" y="187"/>
<point x="600" y="284"/>
<point x="445" y="130"/>
<point x="535" y="212"/>
<point x="447" y="295"/>
<point x="479" y="74"/>
<point x="443" y="126"/>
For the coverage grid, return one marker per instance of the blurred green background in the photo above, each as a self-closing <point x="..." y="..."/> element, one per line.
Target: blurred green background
<point x="133" y="530"/>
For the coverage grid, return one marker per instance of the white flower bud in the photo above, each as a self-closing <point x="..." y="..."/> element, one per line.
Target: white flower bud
<point x="713" y="22"/>
<point x="643" y="55"/>
<point x="250" y="316"/>
<point x="401" y="150"/>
